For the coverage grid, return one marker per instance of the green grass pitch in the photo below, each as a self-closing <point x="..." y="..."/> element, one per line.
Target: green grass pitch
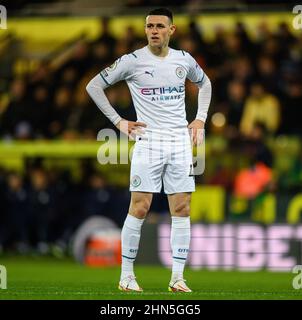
<point x="47" y="278"/>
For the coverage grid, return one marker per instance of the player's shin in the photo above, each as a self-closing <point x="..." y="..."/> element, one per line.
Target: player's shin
<point x="131" y="233"/>
<point x="180" y="243"/>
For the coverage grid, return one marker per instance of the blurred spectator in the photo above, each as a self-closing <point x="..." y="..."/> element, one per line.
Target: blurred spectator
<point x="41" y="209"/>
<point x="284" y="35"/>
<point x="68" y="208"/>
<point x="246" y="43"/>
<point x="257" y="178"/>
<point x="267" y="74"/>
<point x="75" y="68"/>
<point x="120" y="49"/>
<point x="232" y="46"/>
<point x="42" y="76"/>
<point x="69" y="77"/>
<point x="290" y="177"/>
<point x="106" y="38"/>
<point x="222" y="176"/>
<point x="263" y="32"/>
<point x="292" y="109"/>
<point x="260" y="107"/>
<point x="130" y="38"/>
<point x="272" y="49"/>
<point x="255" y="146"/>
<point x="11" y="48"/>
<point x="39" y="110"/>
<point x="216" y="47"/>
<point x="16" y="223"/>
<point x="60" y="111"/>
<point x="251" y="182"/>
<point x="242" y="70"/>
<point x="102" y="56"/>
<point x="234" y="106"/>
<point x="84" y="116"/>
<point x="17" y="110"/>
<point x="96" y="199"/>
<point x="190" y="45"/>
<point x="196" y="35"/>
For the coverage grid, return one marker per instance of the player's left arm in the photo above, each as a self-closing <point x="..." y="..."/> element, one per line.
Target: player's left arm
<point x="204" y="99"/>
<point x="198" y="76"/>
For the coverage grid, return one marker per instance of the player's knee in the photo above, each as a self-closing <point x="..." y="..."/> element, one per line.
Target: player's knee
<point x="182" y="209"/>
<point x="140" y="207"/>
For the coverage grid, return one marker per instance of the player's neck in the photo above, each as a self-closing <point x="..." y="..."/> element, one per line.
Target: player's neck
<point x="159" y="51"/>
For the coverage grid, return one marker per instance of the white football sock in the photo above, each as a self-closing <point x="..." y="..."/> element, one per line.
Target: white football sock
<point x="180" y="243"/>
<point x="131" y="233"/>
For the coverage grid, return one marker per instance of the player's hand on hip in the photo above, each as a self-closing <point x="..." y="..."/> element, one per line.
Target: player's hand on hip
<point x="196" y="131"/>
<point x="131" y="128"/>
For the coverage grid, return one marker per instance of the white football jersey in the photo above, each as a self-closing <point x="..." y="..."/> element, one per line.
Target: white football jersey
<point x="157" y="85"/>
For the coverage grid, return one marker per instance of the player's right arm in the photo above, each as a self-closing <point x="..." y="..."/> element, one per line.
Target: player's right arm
<point x="119" y="70"/>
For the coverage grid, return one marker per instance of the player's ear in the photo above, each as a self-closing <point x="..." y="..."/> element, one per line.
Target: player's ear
<point x="172" y="29"/>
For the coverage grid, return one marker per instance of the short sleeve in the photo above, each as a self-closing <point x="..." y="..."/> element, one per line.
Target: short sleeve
<point x="121" y="69"/>
<point x="195" y="74"/>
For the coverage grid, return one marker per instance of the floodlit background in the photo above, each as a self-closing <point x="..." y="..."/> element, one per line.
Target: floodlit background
<point x="56" y="200"/>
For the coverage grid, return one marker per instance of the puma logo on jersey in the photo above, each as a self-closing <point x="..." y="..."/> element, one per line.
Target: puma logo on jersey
<point x="150" y="72"/>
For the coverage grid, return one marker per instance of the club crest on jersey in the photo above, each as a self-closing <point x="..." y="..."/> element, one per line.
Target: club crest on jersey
<point x="135" y="181"/>
<point x="180" y="72"/>
<point x="113" y="66"/>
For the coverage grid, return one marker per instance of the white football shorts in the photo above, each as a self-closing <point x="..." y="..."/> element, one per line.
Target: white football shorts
<point x="166" y="158"/>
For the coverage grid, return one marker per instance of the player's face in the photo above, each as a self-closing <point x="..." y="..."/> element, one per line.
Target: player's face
<point x="158" y="30"/>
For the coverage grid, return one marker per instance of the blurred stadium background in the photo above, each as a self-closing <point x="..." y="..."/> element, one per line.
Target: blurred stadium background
<point x="58" y="201"/>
